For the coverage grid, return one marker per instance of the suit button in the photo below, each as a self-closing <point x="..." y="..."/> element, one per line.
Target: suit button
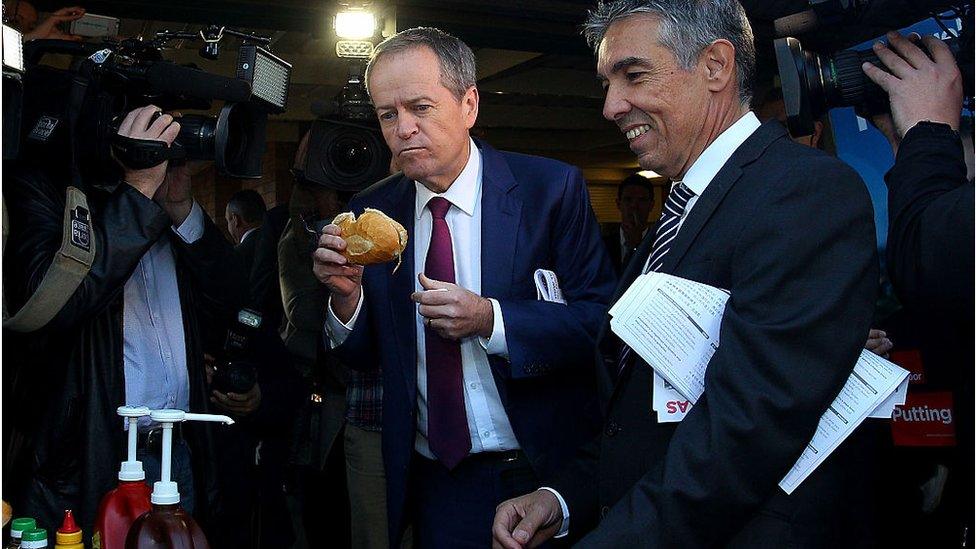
<point x="604" y="511"/>
<point x="612" y="428"/>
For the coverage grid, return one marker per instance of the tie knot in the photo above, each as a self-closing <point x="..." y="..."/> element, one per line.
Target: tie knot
<point x="438" y="207"/>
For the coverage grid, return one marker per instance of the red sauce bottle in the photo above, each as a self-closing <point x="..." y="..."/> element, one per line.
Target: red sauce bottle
<point x="121" y="506"/>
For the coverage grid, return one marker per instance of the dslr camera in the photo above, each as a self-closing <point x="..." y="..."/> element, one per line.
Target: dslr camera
<point x="235" y="371"/>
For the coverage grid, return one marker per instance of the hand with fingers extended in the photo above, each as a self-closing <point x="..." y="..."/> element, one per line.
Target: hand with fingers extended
<point x="49" y="29"/>
<point x="344" y="280"/>
<point x="453" y="312"/>
<point x="238" y="404"/>
<point x="151" y="124"/>
<point x="920" y="86"/>
<point x="526" y="521"/>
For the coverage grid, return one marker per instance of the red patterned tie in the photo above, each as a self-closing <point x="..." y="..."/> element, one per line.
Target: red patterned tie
<point x="447" y="423"/>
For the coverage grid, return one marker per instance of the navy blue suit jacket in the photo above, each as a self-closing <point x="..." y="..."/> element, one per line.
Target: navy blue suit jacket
<point x="536" y="214"/>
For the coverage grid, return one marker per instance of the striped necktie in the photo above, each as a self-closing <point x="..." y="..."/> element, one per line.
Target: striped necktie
<point x="667" y="230"/>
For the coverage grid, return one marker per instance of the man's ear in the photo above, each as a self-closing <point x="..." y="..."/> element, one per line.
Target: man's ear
<point x="718" y="59"/>
<point x="469" y="106"/>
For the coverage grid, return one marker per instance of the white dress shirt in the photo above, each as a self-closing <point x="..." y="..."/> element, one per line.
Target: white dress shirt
<point x="488" y="422"/>
<point x="246" y="234"/>
<point x="154" y="347"/>
<point x="697" y="178"/>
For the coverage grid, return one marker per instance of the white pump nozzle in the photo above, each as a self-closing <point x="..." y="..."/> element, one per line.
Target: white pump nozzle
<point x="131" y="469"/>
<point x="165" y="491"/>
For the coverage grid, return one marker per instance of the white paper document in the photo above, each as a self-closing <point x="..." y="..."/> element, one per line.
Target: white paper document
<point x="874" y="379"/>
<point x="547" y="287"/>
<point x="674" y="325"/>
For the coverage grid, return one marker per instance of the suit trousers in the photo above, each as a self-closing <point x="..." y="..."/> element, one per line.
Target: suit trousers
<point x="455" y="509"/>
<point x="367" y="488"/>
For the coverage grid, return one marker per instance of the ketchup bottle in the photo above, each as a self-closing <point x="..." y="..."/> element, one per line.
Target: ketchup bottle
<point x="130" y="499"/>
<point x="167" y="525"/>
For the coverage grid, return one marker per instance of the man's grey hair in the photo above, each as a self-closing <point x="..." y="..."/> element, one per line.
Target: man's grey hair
<point x="687" y="27"/>
<point x="456" y="59"/>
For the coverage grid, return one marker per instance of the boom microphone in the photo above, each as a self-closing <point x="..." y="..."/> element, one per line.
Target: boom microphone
<point x="170" y="78"/>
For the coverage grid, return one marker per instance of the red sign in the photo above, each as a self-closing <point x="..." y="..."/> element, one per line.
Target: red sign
<point x="910" y="360"/>
<point x="924" y="420"/>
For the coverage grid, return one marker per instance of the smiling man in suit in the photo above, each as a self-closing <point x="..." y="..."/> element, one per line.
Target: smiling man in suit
<point x="788" y="231"/>
<point x="486" y="389"/>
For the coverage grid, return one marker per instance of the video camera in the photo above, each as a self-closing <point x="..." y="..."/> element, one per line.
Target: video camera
<point x="346" y="151"/>
<point x="814" y="83"/>
<point x="116" y="77"/>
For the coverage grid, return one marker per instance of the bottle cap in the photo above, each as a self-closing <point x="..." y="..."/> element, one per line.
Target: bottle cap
<point x="20" y="525"/>
<point x="34" y="539"/>
<point x="165" y="493"/>
<point x="69" y="533"/>
<point x="131" y="471"/>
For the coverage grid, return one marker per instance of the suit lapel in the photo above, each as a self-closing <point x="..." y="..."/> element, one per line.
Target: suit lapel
<point x="401" y="204"/>
<point x="500" y="218"/>
<point x="703" y="209"/>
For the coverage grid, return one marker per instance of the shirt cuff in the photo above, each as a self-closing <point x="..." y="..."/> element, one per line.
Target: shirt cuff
<point x="564" y="527"/>
<point x="336" y="330"/>
<point x="496" y="344"/>
<point x="192" y="227"/>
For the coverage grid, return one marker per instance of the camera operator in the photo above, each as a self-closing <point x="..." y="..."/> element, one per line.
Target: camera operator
<point x="133" y="332"/>
<point x="930" y="240"/>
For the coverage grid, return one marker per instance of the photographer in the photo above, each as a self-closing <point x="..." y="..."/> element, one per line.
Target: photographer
<point x="133" y="332"/>
<point x="930" y="240"/>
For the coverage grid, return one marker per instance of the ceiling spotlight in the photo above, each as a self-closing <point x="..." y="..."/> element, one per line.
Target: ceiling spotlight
<point x="355" y="23"/>
<point x="648" y="174"/>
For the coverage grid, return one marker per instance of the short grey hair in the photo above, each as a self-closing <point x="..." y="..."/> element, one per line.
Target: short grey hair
<point x="457" y="63"/>
<point x="687" y="27"/>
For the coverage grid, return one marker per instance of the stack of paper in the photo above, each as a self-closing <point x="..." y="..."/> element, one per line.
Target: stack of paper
<point x="674" y="325"/>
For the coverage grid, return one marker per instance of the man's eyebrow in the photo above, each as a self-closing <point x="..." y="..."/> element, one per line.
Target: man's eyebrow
<point x="627" y="62"/>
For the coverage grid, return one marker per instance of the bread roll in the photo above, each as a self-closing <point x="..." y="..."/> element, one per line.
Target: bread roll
<point x="372" y="238"/>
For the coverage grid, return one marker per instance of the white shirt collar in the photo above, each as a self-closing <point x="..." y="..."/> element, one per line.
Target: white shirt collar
<point x="718" y="152"/>
<point x="247" y="233"/>
<point x="464" y="191"/>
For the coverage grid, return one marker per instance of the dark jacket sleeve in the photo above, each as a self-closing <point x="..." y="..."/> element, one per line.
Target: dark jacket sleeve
<point x="125" y="226"/>
<point x="558" y="336"/>
<point x="215" y="272"/>
<point x="804" y="275"/>
<point x="930" y="211"/>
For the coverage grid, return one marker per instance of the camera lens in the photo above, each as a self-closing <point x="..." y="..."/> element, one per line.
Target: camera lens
<point x="197" y="133"/>
<point x="349" y="154"/>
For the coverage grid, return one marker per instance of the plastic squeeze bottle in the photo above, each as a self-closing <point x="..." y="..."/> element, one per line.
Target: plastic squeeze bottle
<point x="34" y="539"/>
<point x="69" y="535"/>
<point x="167" y="525"/>
<point x="130" y="499"/>
<point x="17" y="528"/>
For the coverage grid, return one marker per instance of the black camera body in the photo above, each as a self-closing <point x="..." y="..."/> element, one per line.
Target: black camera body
<point x="814" y="83"/>
<point x="236" y="371"/>
<point x="111" y="79"/>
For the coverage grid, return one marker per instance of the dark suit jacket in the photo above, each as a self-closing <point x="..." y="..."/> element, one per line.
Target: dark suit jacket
<point x="789" y="232"/>
<point x="611" y="241"/>
<point x="245" y="250"/>
<point x="535" y="214"/>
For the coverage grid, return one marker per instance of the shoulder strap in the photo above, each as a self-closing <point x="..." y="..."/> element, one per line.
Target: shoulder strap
<point x="70" y="266"/>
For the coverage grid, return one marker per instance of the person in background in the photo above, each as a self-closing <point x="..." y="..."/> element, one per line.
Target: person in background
<point x="316" y="481"/>
<point x="635" y="200"/>
<point x="244" y="215"/>
<point x="133" y="332"/>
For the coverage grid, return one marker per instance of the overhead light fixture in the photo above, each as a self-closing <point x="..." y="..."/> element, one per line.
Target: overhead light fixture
<point x="648" y="174"/>
<point x="355" y="23"/>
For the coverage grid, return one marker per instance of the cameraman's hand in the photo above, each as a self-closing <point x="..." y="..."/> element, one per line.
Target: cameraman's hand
<point x="919" y="88"/>
<point x="139" y="124"/>
<point x="343" y="279"/>
<point x="238" y="404"/>
<point x="48" y="29"/>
